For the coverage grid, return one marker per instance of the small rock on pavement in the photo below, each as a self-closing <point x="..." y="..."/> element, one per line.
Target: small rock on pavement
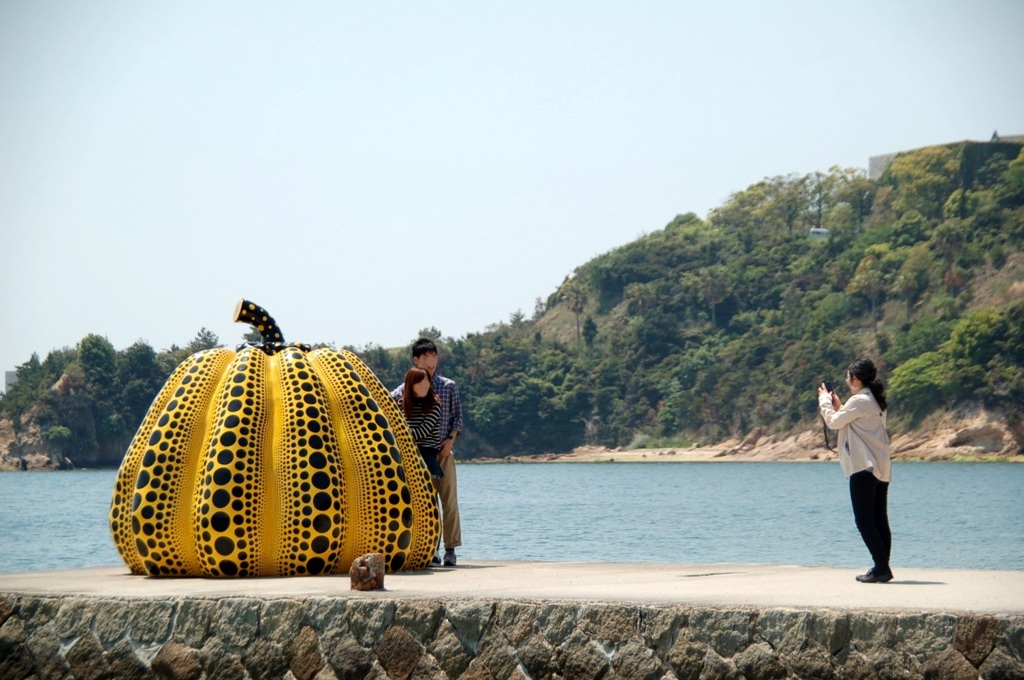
<point x="367" y="572"/>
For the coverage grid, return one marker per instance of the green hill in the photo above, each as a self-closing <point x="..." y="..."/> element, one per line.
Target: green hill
<point x="704" y="330"/>
<point x="708" y="329"/>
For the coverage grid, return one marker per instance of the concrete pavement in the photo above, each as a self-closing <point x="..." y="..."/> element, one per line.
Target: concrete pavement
<point x="928" y="590"/>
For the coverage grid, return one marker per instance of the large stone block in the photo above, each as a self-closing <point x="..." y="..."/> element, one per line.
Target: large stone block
<point x="496" y="655"/>
<point x="452" y="655"/>
<point x="516" y="619"/>
<point x="303" y="654"/>
<point x="178" y="662"/>
<point x="580" y="657"/>
<point x="124" y="664"/>
<point x="192" y="624"/>
<point x="368" y="619"/>
<point x="536" y="655"/>
<point x="726" y="631"/>
<point x="399" y="652"/>
<point x="86" y="659"/>
<point x="470" y="620"/>
<point x="111" y="620"/>
<point x="635" y="660"/>
<point x="236" y="621"/>
<point x="264" y="660"/>
<point x="420" y="618"/>
<point x="611" y="625"/>
<point x="15" y="659"/>
<point x="281" y="620"/>
<point x="976" y="637"/>
<point x="949" y="664"/>
<point x="686" y="656"/>
<point x="150" y="621"/>
<point x="660" y="626"/>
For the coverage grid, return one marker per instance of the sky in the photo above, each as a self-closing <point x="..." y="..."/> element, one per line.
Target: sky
<point x="368" y="170"/>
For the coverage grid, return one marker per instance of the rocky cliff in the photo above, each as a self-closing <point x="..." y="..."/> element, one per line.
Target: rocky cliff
<point x="26" y="449"/>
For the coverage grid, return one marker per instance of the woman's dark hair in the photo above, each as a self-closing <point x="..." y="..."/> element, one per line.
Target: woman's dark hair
<point x="865" y="371"/>
<point x="413" y="377"/>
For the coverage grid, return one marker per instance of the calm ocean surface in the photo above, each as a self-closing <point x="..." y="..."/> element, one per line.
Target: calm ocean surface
<point x="943" y="515"/>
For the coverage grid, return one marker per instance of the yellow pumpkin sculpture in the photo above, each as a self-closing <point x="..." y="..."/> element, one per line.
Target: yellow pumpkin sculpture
<point x="272" y="460"/>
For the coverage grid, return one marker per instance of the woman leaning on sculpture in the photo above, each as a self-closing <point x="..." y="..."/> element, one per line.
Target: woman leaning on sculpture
<point x="864" y="456"/>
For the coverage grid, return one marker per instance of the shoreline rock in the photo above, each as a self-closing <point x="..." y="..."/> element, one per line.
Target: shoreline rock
<point x="966" y="435"/>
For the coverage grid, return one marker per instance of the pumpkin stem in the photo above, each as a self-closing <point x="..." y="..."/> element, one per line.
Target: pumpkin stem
<point x="257" y="317"/>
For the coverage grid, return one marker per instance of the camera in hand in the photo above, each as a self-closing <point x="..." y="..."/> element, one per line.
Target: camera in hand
<point x="828" y="386"/>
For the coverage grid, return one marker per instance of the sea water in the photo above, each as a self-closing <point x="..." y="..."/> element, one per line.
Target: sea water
<point x="943" y="515"/>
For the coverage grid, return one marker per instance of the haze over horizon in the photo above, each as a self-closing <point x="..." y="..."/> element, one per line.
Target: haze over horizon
<point x="366" y="172"/>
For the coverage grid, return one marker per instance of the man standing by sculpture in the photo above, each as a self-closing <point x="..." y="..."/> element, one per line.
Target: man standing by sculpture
<point x="425" y="356"/>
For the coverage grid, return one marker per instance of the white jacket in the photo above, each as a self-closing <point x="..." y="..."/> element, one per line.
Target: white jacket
<point x="863" y="441"/>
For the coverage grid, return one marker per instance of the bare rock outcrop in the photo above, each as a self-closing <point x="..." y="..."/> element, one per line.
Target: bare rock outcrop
<point x="7" y="438"/>
<point x="25" y="448"/>
<point x="967" y="432"/>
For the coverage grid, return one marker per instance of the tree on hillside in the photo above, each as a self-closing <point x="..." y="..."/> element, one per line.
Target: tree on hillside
<point x="914" y="276"/>
<point x="786" y="200"/>
<point x="714" y="288"/>
<point x="742" y="216"/>
<point x="924" y="179"/>
<point x="1010" y="190"/>
<point x="71" y="404"/>
<point x="205" y="339"/>
<point x="140" y="377"/>
<point x="853" y="188"/>
<point x="639" y="297"/>
<point x="820" y="189"/>
<point x="911" y="228"/>
<point x="868" y="280"/>
<point x="589" y="331"/>
<point x="431" y="333"/>
<point x="920" y="384"/>
<point x="973" y="343"/>
<point x="98" y="359"/>
<point x="948" y="240"/>
<point x="575" y="297"/>
<point x="539" y="307"/>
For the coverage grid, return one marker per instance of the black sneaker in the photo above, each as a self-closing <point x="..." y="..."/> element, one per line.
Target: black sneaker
<point x="449" y="557"/>
<point x="435" y="561"/>
<point x="875" y="577"/>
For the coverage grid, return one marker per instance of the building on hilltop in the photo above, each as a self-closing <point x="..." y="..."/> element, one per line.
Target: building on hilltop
<point x="1013" y="139"/>
<point x="877" y="165"/>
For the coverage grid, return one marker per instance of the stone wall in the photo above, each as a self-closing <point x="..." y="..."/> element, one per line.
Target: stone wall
<point x="376" y="636"/>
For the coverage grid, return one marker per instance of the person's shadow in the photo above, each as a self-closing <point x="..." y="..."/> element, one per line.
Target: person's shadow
<point x="916" y="583"/>
<point x="438" y="569"/>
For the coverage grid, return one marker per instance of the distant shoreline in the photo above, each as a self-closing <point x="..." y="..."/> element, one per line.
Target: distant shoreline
<point x="793" y="450"/>
<point x="971" y="435"/>
<point x="974" y="440"/>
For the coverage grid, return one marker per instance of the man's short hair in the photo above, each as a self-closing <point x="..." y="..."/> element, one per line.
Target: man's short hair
<point x="423" y="346"/>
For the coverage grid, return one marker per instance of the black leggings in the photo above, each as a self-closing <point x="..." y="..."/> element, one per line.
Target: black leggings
<point x="870" y="510"/>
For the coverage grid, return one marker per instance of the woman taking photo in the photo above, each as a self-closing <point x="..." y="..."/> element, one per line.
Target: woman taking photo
<point x="864" y="457"/>
<point x="422" y="410"/>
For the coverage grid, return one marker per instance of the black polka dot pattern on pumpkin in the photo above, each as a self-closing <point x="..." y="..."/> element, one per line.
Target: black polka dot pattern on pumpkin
<point x="161" y="500"/>
<point x="380" y="503"/>
<point x="427" y="529"/>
